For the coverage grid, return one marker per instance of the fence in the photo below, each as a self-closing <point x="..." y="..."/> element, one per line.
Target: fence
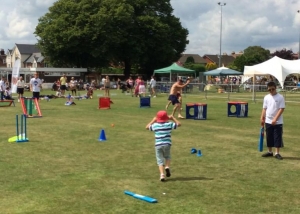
<point x="246" y="92"/>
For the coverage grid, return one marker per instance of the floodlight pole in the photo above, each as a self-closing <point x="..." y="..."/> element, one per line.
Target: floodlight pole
<point x="299" y="40"/>
<point x="220" y="54"/>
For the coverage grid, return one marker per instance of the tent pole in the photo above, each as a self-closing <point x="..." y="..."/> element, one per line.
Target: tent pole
<point x="253" y="88"/>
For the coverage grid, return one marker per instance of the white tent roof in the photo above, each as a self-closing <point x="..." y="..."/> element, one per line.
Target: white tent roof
<point x="277" y="67"/>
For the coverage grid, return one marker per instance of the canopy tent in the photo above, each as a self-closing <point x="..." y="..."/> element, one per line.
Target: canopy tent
<point x="277" y="67"/>
<point x="222" y="71"/>
<point x="174" y="68"/>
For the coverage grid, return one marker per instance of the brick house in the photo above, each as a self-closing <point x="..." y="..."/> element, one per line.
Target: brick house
<point x="226" y="59"/>
<point x="2" y="58"/>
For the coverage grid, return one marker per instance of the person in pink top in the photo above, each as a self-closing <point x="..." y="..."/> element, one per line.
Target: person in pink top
<point x="136" y="89"/>
<point x="142" y="88"/>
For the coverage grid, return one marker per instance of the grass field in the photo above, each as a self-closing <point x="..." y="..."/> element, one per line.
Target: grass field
<point x="65" y="169"/>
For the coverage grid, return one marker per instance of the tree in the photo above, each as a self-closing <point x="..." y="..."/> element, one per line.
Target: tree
<point x="211" y="66"/>
<point x="252" y="55"/>
<point x="143" y="33"/>
<point x="284" y="54"/>
<point x="196" y="67"/>
<point x="190" y="59"/>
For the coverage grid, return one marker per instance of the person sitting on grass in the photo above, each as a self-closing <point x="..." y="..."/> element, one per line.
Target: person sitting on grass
<point x="163" y="128"/>
<point x="8" y="94"/>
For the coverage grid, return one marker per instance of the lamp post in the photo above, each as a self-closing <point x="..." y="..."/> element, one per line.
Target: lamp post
<point x="220" y="56"/>
<point x="299" y="40"/>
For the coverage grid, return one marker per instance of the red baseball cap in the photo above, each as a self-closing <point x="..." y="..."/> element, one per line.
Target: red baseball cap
<point x="162" y="116"/>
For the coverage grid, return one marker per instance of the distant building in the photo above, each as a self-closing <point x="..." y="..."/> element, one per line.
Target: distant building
<point x="2" y="58"/>
<point x="33" y="61"/>
<point x="197" y="59"/>
<point x="226" y="59"/>
<point x="235" y="55"/>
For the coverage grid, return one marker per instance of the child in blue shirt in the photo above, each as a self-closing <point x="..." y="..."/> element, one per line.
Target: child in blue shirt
<point x="163" y="128"/>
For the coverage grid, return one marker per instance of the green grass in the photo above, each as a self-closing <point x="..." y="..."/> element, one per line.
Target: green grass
<point x="65" y="169"/>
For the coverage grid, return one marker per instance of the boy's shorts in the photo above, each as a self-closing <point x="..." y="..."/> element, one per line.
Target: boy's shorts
<point x="162" y="153"/>
<point x="274" y="135"/>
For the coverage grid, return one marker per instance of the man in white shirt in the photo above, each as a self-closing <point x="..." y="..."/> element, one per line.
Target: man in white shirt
<point x="35" y="86"/>
<point x="152" y="86"/>
<point x="271" y="116"/>
<point x="2" y="87"/>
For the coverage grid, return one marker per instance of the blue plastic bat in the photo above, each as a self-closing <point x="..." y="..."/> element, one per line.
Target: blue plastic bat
<point x="261" y="139"/>
<point x="141" y="197"/>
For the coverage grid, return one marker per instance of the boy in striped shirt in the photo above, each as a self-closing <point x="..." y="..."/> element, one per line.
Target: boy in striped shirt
<point x="163" y="128"/>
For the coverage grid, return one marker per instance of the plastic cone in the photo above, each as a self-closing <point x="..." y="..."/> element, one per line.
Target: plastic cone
<point x="193" y="151"/>
<point x="102" y="136"/>
<point x="199" y="154"/>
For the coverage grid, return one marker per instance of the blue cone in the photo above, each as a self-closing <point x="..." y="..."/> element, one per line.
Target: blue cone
<point x="193" y="151"/>
<point x="102" y="136"/>
<point x="199" y="154"/>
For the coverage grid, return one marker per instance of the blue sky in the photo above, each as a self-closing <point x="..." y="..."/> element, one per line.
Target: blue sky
<point x="272" y="24"/>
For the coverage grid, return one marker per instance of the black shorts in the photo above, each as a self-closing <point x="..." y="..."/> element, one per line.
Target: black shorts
<point x="173" y="99"/>
<point x="36" y="95"/>
<point x="107" y="87"/>
<point x="63" y="87"/>
<point x="20" y="90"/>
<point x="274" y="135"/>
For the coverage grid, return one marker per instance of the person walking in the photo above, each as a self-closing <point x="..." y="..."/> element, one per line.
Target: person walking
<point x="271" y="117"/>
<point x="163" y="128"/>
<point x="107" y="86"/>
<point x="152" y="86"/>
<point x="20" y="87"/>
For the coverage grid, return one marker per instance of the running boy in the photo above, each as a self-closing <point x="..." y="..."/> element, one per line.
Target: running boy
<point x="163" y="128"/>
<point x="271" y="115"/>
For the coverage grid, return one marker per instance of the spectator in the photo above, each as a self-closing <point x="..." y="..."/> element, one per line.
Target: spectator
<point x="63" y="81"/>
<point x="2" y="87"/>
<point x="8" y="94"/>
<point x="20" y="87"/>
<point x="107" y="86"/>
<point x="35" y="86"/>
<point x="152" y="86"/>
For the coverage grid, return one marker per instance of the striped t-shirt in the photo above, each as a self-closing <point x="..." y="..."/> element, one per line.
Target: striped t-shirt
<point x="163" y="132"/>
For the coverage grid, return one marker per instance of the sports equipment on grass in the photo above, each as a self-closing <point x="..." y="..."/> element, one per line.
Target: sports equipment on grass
<point x="20" y="138"/>
<point x="141" y="197"/>
<point x="261" y="139"/>
<point x="102" y="136"/>
<point x="31" y="107"/>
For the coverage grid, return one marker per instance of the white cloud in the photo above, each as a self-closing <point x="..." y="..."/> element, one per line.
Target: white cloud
<point x="17" y="28"/>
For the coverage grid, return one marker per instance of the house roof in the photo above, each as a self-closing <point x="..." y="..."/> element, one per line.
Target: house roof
<point x="226" y="59"/>
<point x="34" y="56"/>
<point x="28" y="48"/>
<point x="197" y="58"/>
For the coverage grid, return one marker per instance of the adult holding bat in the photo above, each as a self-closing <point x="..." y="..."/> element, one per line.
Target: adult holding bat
<point x="271" y="115"/>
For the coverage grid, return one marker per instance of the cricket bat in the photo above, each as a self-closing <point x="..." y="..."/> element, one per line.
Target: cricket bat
<point x="141" y="197"/>
<point x="261" y="139"/>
